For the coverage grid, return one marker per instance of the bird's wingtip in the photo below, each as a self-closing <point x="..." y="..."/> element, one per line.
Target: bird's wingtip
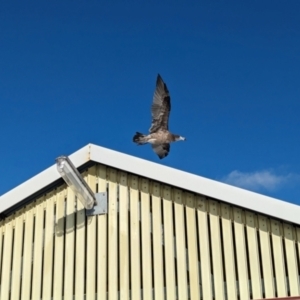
<point x="159" y="79"/>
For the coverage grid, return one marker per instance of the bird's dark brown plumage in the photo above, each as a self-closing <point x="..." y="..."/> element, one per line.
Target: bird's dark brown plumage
<point x="161" y="107"/>
<point x="160" y="137"/>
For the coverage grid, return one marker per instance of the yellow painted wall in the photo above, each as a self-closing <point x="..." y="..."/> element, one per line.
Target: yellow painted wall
<point x="156" y="242"/>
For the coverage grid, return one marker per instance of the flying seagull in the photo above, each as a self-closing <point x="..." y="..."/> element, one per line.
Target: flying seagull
<point x="160" y="137"/>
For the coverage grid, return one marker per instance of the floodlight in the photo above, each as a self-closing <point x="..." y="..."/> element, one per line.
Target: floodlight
<point x="75" y="181"/>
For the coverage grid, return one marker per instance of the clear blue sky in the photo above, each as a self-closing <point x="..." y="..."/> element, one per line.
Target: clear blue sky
<point x="77" y="72"/>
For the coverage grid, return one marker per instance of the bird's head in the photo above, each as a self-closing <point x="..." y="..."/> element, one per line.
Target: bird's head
<point x="179" y="138"/>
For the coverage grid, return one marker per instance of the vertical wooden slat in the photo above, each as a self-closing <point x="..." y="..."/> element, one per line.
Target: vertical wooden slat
<point x="278" y="258"/>
<point x="80" y="251"/>
<point x="17" y="255"/>
<point x="291" y="258"/>
<point x="59" y="243"/>
<point x="266" y="258"/>
<point x="38" y="249"/>
<point x="206" y="278"/>
<point x="298" y="243"/>
<point x="135" y="239"/>
<point x="48" y="247"/>
<point x="112" y="236"/>
<point x="251" y="223"/>
<point x="169" y="243"/>
<point x="241" y="253"/>
<point x="7" y="258"/>
<point x="124" y="237"/>
<point x="69" y="246"/>
<point x="2" y="225"/>
<point x="192" y="246"/>
<point x="27" y="254"/>
<point x="180" y="245"/>
<point x="298" y="237"/>
<point x="157" y="242"/>
<point x="146" y="239"/>
<point x="91" y="243"/>
<point x="1" y="240"/>
<point x="226" y="214"/>
<point x="101" y="240"/>
<point x="216" y="250"/>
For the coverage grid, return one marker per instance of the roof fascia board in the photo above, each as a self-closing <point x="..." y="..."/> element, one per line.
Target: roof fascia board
<point x="194" y="183"/>
<point x="187" y="181"/>
<point x="41" y="180"/>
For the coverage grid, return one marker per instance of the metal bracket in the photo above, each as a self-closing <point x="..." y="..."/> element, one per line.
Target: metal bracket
<point x="101" y="207"/>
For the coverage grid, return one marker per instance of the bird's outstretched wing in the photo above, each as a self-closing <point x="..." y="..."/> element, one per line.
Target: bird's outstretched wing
<point x="162" y="150"/>
<point x="161" y="107"/>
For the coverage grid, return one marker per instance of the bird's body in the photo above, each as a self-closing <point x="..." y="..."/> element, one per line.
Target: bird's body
<point x="159" y="135"/>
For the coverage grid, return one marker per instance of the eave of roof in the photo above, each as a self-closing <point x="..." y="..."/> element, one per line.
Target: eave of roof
<point x="210" y="188"/>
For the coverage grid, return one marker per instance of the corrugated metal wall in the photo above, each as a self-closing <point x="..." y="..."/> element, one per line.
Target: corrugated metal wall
<point x="156" y="242"/>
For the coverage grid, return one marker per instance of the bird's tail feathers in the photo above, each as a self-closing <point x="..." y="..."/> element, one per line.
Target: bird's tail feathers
<point x="140" y="138"/>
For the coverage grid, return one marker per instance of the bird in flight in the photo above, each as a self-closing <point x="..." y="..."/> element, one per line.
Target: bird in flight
<point x="159" y="135"/>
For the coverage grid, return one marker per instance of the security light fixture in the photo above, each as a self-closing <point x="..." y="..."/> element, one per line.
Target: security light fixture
<point x="94" y="204"/>
<point x="75" y="181"/>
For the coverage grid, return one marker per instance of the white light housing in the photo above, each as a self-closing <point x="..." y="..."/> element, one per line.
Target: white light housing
<point x="75" y="181"/>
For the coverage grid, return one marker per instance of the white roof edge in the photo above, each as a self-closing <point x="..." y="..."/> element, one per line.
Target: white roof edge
<point x="41" y="180"/>
<point x="194" y="183"/>
<point x="197" y="184"/>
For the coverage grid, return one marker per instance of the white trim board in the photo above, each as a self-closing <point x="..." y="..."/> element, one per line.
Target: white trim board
<point x="197" y="184"/>
<point x="40" y="181"/>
